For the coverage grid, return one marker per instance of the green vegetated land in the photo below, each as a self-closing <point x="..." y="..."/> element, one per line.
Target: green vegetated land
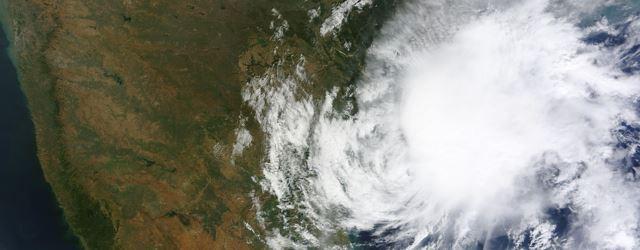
<point x="136" y="106"/>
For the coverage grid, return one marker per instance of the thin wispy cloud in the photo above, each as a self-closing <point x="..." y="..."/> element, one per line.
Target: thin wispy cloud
<point x="480" y="123"/>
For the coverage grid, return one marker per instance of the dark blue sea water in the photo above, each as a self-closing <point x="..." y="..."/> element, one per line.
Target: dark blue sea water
<point x="620" y="16"/>
<point x="29" y="215"/>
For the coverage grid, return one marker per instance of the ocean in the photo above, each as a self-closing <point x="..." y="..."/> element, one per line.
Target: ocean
<point x="30" y="217"/>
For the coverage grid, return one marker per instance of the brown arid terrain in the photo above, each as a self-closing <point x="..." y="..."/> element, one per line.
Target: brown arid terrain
<point x="137" y="105"/>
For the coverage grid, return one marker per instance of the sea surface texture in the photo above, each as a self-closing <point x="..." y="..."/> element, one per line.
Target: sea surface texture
<point x="30" y="217"/>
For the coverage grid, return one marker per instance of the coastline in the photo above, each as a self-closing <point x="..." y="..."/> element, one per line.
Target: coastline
<point x="8" y="32"/>
<point x="70" y="124"/>
<point x="34" y="217"/>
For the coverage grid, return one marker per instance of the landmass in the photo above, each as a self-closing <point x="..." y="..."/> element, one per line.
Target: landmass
<point x="141" y="126"/>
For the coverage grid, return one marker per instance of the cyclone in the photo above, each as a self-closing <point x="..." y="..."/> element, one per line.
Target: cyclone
<point x="476" y="124"/>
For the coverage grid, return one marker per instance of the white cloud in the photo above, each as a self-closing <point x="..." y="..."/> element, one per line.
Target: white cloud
<point x="339" y="15"/>
<point x="243" y="140"/>
<point x="475" y="118"/>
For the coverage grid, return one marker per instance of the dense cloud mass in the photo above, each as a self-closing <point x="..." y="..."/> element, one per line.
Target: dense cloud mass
<point x="479" y="124"/>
